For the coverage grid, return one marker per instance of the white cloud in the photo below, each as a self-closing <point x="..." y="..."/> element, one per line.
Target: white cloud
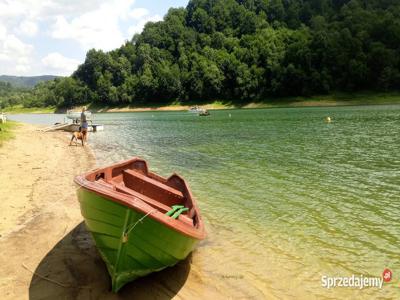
<point x="14" y="54"/>
<point x="22" y="69"/>
<point x="138" y="27"/>
<point x="101" y="28"/>
<point x="49" y="24"/>
<point x="28" y="28"/>
<point x="14" y="47"/>
<point x="88" y="32"/>
<point x="95" y="29"/>
<point x="3" y="32"/>
<point x="59" y="64"/>
<point x="10" y="8"/>
<point x="40" y="9"/>
<point x="138" y="13"/>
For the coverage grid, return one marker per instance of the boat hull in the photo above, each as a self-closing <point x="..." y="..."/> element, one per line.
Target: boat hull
<point x="149" y="246"/>
<point x="76" y="115"/>
<point x="77" y="127"/>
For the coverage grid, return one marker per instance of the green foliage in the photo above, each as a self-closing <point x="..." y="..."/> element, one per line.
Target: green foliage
<point x="11" y="96"/>
<point x="6" y="131"/>
<point x="242" y="50"/>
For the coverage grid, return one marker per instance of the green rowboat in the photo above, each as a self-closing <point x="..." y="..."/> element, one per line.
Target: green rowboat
<point x="141" y="222"/>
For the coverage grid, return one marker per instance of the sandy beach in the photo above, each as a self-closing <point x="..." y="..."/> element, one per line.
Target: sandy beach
<point x="45" y="250"/>
<point x="38" y="207"/>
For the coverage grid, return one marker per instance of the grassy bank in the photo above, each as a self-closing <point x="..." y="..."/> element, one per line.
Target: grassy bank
<point x="19" y="109"/>
<point x="6" y="131"/>
<point x="334" y="99"/>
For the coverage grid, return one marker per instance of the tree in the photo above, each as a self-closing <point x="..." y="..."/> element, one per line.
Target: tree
<point x="241" y="50"/>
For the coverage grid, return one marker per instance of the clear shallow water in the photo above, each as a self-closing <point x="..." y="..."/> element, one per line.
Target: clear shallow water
<point x="286" y="197"/>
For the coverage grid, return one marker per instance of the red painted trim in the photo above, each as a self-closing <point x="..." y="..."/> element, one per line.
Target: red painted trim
<point x="197" y="232"/>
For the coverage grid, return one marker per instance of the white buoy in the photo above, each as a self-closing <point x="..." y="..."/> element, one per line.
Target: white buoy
<point x="328" y="119"/>
<point x="230" y="116"/>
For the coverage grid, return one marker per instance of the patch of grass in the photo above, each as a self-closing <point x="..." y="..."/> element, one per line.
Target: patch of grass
<point x="19" y="109"/>
<point x="7" y="131"/>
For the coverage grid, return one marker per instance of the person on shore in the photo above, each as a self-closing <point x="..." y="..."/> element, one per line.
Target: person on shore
<point x="84" y="126"/>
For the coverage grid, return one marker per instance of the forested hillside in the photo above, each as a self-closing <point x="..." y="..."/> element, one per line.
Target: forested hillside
<point x="243" y="50"/>
<point x="25" y="81"/>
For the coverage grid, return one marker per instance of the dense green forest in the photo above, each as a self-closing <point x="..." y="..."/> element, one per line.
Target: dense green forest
<point x="242" y="50"/>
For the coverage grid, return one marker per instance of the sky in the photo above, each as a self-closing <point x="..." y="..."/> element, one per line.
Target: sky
<point x="40" y="37"/>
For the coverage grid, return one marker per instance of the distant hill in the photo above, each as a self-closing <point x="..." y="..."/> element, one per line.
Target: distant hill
<point x="26" y="81"/>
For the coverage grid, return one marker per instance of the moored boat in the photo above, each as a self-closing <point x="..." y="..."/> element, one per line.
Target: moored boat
<point x="195" y="109"/>
<point x="204" y="113"/>
<point x="91" y="127"/>
<point x="76" y="115"/>
<point x="140" y="221"/>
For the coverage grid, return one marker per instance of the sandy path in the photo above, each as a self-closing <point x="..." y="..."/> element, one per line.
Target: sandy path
<point x="36" y="170"/>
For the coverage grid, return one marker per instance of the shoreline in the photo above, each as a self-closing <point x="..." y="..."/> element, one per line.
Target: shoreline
<point x="340" y="99"/>
<point x="252" y="105"/>
<point x="45" y="250"/>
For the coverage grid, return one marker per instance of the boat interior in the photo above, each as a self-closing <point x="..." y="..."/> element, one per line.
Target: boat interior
<point x="169" y="196"/>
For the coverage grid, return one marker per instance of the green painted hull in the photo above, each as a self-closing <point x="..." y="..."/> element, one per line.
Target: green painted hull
<point x="150" y="246"/>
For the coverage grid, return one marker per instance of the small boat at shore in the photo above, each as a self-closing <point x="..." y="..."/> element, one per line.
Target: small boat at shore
<point x="200" y="111"/>
<point x="73" y="127"/>
<point x="92" y="127"/>
<point x="141" y="222"/>
<point x="204" y="113"/>
<point x="75" y="124"/>
<point x="195" y="109"/>
<point x="76" y="115"/>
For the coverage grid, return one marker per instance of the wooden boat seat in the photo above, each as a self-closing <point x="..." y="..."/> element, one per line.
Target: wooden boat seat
<point x="161" y="207"/>
<point x="152" y="188"/>
<point x="121" y="188"/>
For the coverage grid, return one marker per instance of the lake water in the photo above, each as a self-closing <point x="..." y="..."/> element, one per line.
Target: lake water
<point x="286" y="197"/>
